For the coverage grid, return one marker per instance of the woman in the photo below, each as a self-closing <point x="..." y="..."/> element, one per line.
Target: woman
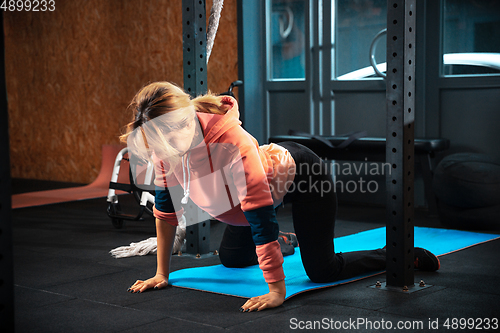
<point x="200" y="151"/>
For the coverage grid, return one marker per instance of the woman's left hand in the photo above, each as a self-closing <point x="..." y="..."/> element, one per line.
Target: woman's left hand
<point x="269" y="300"/>
<point x="275" y="297"/>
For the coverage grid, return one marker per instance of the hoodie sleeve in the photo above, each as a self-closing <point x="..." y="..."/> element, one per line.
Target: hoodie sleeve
<point x="164" y="206"/>
<point x="250" y="173"/>
<point x="265" y="231"/>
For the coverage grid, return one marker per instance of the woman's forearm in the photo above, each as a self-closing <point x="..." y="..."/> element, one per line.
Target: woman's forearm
<point x="165" y="235"/>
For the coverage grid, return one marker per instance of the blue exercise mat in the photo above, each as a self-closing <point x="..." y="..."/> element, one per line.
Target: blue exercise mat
<point x="249" y="281"/>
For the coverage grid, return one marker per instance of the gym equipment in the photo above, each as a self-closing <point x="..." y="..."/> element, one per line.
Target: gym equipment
<point x="468" y="180"/>
<point x="229" y="92"/>
<point x="249" y="281"/>
<point x="144" y="194"/>
<point x="467" y="186"/>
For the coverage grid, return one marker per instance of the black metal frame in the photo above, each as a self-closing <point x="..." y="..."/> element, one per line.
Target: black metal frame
<point x="114" y="209"/>
<point x="194" y="36"/>
<point x="400" y="99"/>
<point x="6" y="258"/>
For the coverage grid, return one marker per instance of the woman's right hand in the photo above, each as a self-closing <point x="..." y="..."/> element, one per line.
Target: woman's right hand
<point x="158" y="281"/>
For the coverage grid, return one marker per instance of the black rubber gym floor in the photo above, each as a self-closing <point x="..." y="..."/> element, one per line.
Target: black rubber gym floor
<point x="66" y="281"/>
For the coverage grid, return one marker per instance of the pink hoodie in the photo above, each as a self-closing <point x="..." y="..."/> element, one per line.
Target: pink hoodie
<point x="228" y="174"/>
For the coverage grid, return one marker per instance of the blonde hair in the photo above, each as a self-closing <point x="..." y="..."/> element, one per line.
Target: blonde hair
<point x="151" y="103"/>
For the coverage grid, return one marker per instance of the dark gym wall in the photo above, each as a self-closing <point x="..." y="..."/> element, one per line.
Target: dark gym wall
<point x="72" y="72"/>
<point x="6" y="261"/>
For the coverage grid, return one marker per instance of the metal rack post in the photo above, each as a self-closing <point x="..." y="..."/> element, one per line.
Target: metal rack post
<point x="400" y="99"/>
<point x="194" y="37"/>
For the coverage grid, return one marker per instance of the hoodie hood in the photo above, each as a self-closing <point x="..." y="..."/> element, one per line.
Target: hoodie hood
<point x="215" y="125"/>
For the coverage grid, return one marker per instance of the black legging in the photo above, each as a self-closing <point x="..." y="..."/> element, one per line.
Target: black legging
<point x="314" y="209"/>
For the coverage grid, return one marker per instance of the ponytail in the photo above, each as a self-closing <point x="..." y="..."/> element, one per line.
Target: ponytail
<point x="208" y="103"/>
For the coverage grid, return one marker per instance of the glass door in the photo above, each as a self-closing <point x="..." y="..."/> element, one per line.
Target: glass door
<point x="318" y="66"/>
<point x="288" y="66"/>
<point x="357" y="93"/>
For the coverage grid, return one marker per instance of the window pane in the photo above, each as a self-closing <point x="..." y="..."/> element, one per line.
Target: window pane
<point x="287" y="39"/>
<point x="356" y="25"/>
<point x="471" y="37"/>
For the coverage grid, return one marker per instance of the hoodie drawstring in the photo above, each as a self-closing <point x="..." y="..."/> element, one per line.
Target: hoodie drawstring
<point x="184" y="200"/>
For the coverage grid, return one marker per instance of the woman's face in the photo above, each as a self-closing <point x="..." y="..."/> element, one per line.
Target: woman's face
<point x="182" y="139"/>
<point x="170" y="135"/>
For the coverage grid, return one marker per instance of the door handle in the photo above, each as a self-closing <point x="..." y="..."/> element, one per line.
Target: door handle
<point x="373" y="48"/>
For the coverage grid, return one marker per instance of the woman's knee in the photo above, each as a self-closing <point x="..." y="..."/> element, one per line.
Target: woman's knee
<point x="231" y="259"/>
<point x="226" y="259"/>
<point x="325" y="270"/>
<point x="317" y="276"/>
<point x="237" y="248"/>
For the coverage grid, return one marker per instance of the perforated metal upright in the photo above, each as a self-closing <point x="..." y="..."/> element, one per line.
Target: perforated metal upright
<point x="194" y="46"/>
<point x="400" y="141"/>
<point x="194" y="36"/>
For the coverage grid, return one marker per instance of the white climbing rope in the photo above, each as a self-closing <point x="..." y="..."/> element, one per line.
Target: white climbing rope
<point x="149" y="245"/>
<point x="213" y="25"/>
